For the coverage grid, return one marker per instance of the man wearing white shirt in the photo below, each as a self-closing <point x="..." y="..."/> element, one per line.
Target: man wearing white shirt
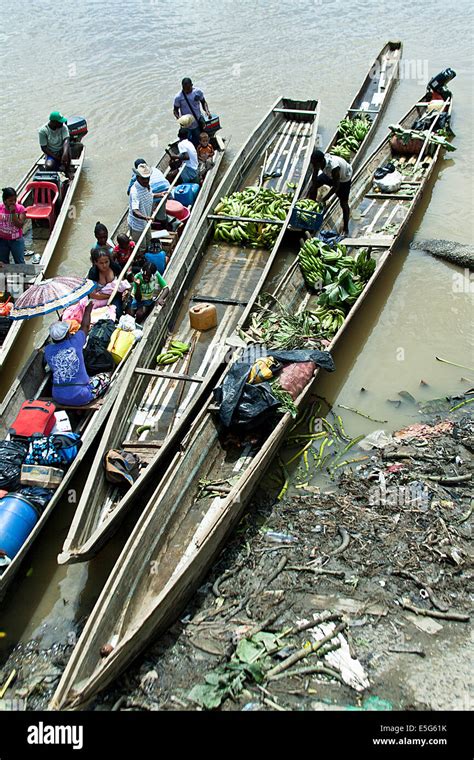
<point x="337" y="173"/>
<point x="188" y="156"/>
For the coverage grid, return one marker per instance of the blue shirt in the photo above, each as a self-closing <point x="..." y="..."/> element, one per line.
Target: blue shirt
<point x="70" y="378"/>
<point x="158" y="259"/>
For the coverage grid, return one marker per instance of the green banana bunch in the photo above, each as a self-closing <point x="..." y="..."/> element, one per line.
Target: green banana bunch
<point x="175" y="351"/>
<point x="255" y="203"/>
<point x="364" y="265"/>
<point x="351" y="133"/>
<point x="330" y="319"/>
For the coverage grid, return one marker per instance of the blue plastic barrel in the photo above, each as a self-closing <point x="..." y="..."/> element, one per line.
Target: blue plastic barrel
<point x="186" y="193"/>
<point x="18" y="517"/>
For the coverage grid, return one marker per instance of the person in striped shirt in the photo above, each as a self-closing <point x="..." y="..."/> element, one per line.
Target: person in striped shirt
<point x="141" y="206"/>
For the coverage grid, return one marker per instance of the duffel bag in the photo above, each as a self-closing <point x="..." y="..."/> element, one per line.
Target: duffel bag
<point x="53" y="450"/>
<point x="102" y="332"/>
<point x="35" y="417"/>
<point x="97" y="359"/>
<point x="121" y="467"/>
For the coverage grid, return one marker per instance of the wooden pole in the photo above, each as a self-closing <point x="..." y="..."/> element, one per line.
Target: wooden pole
<point x="141" y="238"/>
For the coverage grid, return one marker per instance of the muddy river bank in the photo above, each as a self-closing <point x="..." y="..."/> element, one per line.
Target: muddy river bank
<point x="376" y="560"/>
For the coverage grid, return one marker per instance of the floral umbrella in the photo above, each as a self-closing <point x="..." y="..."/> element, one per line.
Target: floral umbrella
<point x="51" y="295"/>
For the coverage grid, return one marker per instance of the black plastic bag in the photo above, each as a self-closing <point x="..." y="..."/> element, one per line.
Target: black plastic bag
<point x="12" y="456"/>
<point x="39" y="497"/>
<point x="241" y="403"/>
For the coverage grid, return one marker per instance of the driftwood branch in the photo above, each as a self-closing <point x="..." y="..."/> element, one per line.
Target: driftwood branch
<point x="304" y="652"/>
<point x="457" y="616"/>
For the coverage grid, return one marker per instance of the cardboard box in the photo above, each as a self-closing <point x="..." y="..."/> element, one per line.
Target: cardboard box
<point x="38" y="475"/>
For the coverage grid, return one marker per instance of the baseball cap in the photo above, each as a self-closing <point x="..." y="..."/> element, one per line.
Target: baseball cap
<point x="57" y="116"/>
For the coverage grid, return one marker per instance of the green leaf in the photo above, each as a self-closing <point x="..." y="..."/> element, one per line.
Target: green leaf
<point x="247" y="651"/>
<point x="269" y="640"/>
<point x="207" y="696"/>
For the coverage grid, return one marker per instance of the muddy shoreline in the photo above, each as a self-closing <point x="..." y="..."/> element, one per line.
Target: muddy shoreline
<point x="381" y="558"/>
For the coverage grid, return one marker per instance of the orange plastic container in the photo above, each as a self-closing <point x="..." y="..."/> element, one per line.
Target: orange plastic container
<point x="203" y="316"/>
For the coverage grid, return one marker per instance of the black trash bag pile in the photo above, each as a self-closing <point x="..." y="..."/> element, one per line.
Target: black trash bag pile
<point x="245" y="406"/>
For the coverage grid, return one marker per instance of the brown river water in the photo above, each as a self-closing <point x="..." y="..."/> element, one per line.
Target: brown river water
<point x="120" y="64"/>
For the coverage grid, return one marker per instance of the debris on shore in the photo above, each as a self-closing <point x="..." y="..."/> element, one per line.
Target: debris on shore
<point x="355" y="597"/>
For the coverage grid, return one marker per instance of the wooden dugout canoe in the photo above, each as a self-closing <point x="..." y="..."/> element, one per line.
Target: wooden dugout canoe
<point x="179" y="534"/>
<point x="102" y="507"/>
<point x="43" y="243"/>
<point x="33" y="381"/>
<point x="227" y="274"/>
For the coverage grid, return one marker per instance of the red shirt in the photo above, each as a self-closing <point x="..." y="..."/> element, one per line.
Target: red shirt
<point x="121" y="257"/>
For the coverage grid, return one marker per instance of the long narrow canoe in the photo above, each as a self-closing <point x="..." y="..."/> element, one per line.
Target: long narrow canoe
<point x="372" y="98"/>
<point x="226" y="274"/>
<point x="198" y="207"/>
<point x="33" y="381"/>
<point x="181" y="531"/>
<point x="103" y="507"/>
<point x="41" y="241"/>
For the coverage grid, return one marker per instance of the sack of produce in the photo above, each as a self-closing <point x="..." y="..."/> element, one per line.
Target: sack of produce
<point x="295" y="377"/>
<point x="390" y="183"/>
<point x="410" y="148"/>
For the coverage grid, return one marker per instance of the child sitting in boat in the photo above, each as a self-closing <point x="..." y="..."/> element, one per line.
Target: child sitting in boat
<point x="148" y="288"/>
<point x="205" y="153"/>
<point x="102" y="236"/>
<point x="123" y="250"/>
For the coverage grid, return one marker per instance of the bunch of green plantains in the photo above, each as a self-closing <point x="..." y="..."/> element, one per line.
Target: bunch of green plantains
<point x="352" y="133"/>
<point x="176" y="351"/>
<point x="261" y="204"/>
<point x="340" y="277"/>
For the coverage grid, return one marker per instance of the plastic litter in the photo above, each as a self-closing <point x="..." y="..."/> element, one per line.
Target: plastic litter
<point x="376" y="440"/>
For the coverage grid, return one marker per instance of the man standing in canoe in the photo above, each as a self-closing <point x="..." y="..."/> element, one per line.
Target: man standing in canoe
<point x="189" y="101"/>
<point x="337" y="173"/>
<point x="141" y="205"/>
<point x="54" y="142"/>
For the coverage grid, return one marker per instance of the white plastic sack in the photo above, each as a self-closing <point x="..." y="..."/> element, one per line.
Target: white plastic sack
<point x="376" y="440"/>
<point x="127" y="322"/>
<point x="391" y="183"/>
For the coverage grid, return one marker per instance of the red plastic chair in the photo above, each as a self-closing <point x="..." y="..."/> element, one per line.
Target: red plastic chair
<point x="45" y="195"/>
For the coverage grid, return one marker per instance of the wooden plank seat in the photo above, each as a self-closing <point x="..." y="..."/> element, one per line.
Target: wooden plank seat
<point x="92" y="407"/>
<point x="146" y="450"/>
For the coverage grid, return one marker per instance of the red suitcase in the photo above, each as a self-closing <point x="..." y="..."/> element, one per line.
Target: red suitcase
<point x="34" y="417"/>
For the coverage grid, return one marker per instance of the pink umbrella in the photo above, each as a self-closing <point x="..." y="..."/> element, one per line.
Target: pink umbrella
<point x="51" y="295"/>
